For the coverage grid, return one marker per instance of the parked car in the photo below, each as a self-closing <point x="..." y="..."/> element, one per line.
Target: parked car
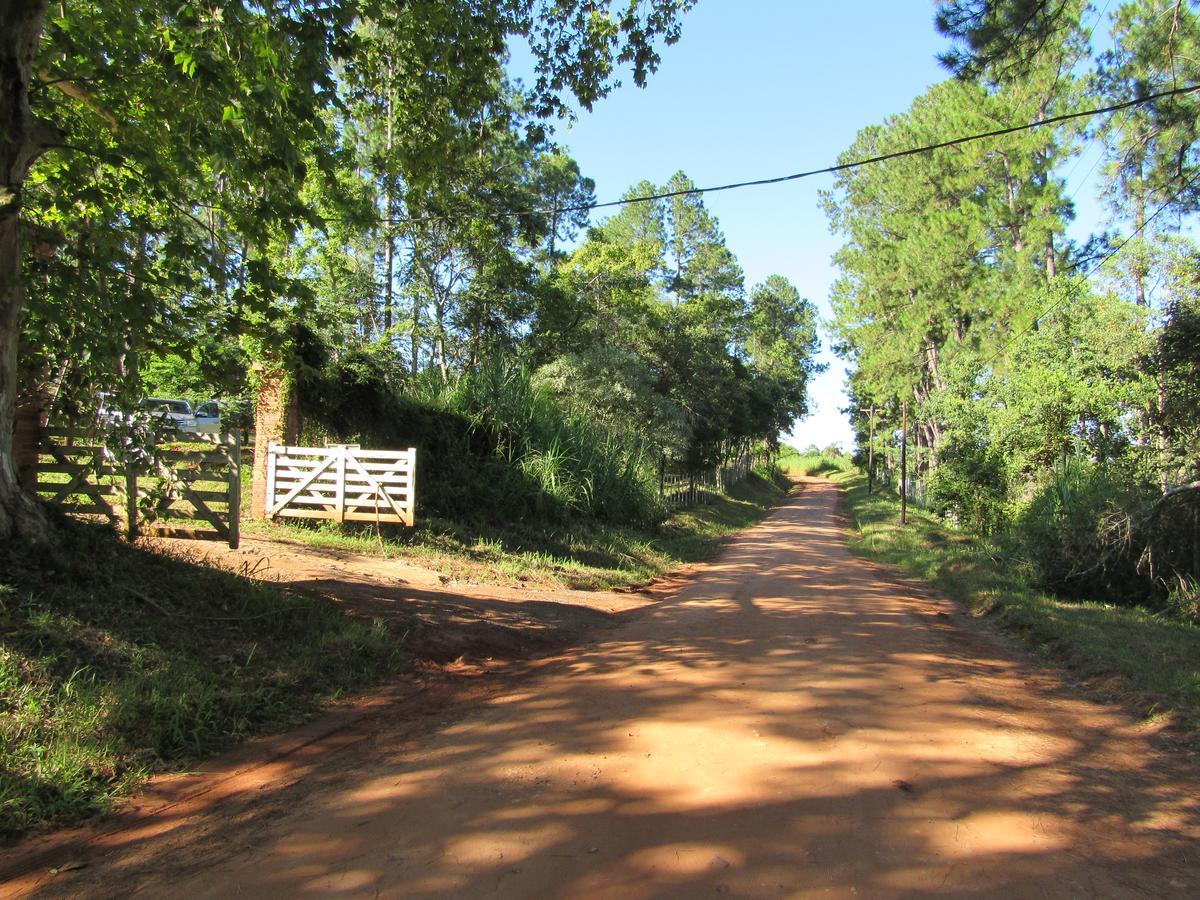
<point x="231" y="416"/>
<point x="170" y="415"/>
<point x="208" y="416"/>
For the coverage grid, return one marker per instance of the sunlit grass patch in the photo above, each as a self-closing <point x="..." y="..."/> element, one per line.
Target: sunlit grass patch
<point x="584" y="555"/>
<point x="793" y="462"/>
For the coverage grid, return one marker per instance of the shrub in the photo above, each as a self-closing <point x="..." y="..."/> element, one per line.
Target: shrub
<point x="1184" y="598"/>
<point x="1062" y="531"/>
<point x="969" y="484"/>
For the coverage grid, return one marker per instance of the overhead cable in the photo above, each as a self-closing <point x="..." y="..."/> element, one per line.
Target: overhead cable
<point x="825" y="170"/>
<point x="1084" y="276"/>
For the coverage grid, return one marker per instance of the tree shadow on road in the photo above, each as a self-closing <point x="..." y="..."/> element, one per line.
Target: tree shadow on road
<point x="790" y="722"/>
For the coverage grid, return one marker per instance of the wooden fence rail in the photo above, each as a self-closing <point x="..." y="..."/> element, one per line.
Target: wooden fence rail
<point x="74" y="474"/>
<point x="343" y="483"/>
<point x="189" y="491"/>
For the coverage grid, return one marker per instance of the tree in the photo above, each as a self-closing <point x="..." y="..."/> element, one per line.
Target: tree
<point x="781" y="346"/>
<point x="655" y="291"/>
<point x="223" y="111"/>
<point x="1152" y="152"/>
<point x="27" y="138"/>
<point x="945" y="249"/>
<point x="1004" y="37"/>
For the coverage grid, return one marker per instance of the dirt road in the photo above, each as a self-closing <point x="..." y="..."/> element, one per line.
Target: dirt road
<point x="792" y="721"/>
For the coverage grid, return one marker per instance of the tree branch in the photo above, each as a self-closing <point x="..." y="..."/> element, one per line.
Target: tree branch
<point x="77" y="91"/>
<point x="1154" y="509"/>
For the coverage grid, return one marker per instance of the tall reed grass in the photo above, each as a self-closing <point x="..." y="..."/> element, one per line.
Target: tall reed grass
<point x="493" y="446"/>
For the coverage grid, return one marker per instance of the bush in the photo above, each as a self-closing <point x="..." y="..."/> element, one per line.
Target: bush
<point x="971" y="486"/>
<point x="1183" y="599"/>
<point x="492" y="447"/>
<point x="1062" y="530"/>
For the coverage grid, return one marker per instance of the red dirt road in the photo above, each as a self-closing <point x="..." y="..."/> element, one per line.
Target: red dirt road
<point x="792" y="721"/>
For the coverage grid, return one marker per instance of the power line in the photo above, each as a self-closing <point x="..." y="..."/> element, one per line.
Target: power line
<point x="1108" y="256"/>
<point x="1066" y="298"/>
<point x="825" y="170"/>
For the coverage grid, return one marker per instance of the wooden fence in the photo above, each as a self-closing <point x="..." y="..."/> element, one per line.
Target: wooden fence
<point x="190" y="490"/>
<point x="74" y="474"/>
<point x="687" y="490"/>
<point x="342" y="483"/>
<point x="690" y="490"/>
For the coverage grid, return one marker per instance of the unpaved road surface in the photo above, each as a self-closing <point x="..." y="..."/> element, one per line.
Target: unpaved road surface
<point x="790" y="721"/>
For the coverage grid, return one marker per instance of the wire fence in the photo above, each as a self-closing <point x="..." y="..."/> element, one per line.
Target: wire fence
<point x="917" y="486"/>
<point x="701" y="488"/>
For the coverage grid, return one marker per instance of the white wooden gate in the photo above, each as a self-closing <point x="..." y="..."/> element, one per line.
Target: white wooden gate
<point x="342" y="483"/>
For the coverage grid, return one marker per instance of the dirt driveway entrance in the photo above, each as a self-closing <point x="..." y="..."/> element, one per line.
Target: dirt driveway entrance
<point x="792" y="721"/>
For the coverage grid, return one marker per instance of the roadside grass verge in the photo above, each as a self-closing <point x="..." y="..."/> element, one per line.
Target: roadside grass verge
<point x="1139" y="655"/>
<point x="117" y="661"/>
<point x="586" y="555"/>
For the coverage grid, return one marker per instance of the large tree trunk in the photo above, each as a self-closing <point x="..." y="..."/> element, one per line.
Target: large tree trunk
<point x="440" y="312"/>
<point x="1139" y="229"/>
<point x="276" y="420"/>
<point x="389" y="280"/>
<point x="23" y="138"/>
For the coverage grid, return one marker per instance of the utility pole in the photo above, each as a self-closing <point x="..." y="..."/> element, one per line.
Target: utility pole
<point x="903" y="462"/>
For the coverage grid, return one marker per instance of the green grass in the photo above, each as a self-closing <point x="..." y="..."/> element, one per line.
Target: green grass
<point x="586" y="555"/>
<point x="1145" y="657"/>
<point x="794" y="462"/>
<point x="117" y="661"/>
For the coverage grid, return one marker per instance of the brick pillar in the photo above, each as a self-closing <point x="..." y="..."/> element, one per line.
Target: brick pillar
<point x="27" y="434"/>
<point x="276" y="420"/>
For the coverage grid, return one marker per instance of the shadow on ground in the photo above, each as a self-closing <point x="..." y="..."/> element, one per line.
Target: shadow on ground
<point x="792" y="722"/>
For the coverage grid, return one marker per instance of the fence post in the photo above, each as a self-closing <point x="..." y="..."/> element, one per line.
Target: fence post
<point x="131" y="507"/>
<point x="235" y="489"/>
<point x="411" y="506"/>
<point x="340" y="491"/>
<point x="272" y="450"/>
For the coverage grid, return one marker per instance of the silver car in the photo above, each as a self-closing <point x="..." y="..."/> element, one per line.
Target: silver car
<point x="170" y="415"/>
<point x="208" y="416"/>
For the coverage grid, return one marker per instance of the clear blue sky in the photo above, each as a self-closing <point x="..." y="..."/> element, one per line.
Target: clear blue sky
<point x="761" y="88"/>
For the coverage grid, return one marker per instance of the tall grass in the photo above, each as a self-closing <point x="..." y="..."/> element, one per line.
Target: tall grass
<point x="572" y="465"/>
<point x="492" y="446"/>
